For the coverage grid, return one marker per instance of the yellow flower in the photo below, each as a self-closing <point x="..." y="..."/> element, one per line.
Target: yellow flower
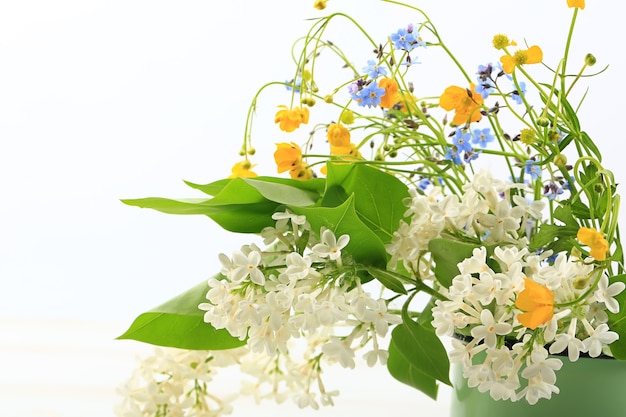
<point x="391" y="96"/>
<point x="290" y="119"/>
<point x="576" y="3"/>
<point x="242" y="169"/>
<point x="532" y="55"/>
<point x="466" y="105"/>
<point x="320" y="4"/>
<point x="598" y="245"/>
<point x="288" y="156"/>
<point x="538" y="303"/>
<point x="338" y="135"/>
<point x="349" y="149"/>
<point x="301" y="172"/>
<point x="501" y="41"/>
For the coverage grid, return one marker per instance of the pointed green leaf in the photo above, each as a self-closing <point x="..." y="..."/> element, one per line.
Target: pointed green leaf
<point x="422" y="349"/>
<point x="180" y="323"/>
<point x="365" y="247"/>
<point x="402" y="370"/>
<point x="447" y="254"/>
<point x="378" y="196"/>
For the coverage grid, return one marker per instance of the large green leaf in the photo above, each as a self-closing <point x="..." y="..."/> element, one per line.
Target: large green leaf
<point x="447" y="254"/>
<point x="179" y="323"/>
<point x="365" y="247"/>
<point x="314" y="186"/>
<point x="241" y="218"/>
<point x="417" y="357"/>
<point x="378" y="196"/>
<point x="402" y="370"/>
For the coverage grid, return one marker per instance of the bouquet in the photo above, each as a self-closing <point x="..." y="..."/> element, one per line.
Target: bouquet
<point x="479" y="215"/>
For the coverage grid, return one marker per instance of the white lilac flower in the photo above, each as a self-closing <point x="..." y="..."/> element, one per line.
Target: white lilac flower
<point x="298" y="266"/>
<point x="463" y="352"/>
<point x="501" y="221"/>
<point x="489" y="329"/>
<point x="330" y="247"/>
<point x="336" y="349"/>
<point x="446" y="210"/>
<point x="606" y="293"/>
<point x="569" y="341"/>
<point x="533" y="208"/>
<point x="247" y="265"/>
<point x="598" y="338"/>
<point x="509" y="255"/>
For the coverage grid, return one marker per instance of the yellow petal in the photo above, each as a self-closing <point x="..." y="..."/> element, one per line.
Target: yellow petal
<point x="576" y="3"/>
<point x="535" y="55"/>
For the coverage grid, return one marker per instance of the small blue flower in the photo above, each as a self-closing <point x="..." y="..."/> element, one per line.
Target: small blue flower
<point x="374" y="70"/>
<point x="452" y="155"/>
<point x="461" y="141"/>
<point x="423" y="184"/>
<point x="517" y="94"/>
<point x="370" y="95"/>
<point x="406" y="39"/>
<point x="482" y="137"/>
<point x="294" y="84"/>
<point x="552" y="190"/>
<point x="531" y="168"/>
<point x="472" y="155"/>
<point x="485" y="84"/>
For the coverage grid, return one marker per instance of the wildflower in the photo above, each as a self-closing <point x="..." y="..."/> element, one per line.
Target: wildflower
<point x="338" y="135"/>
<point x="330" y="246"/>
<point x="501" y="41"/>
<point x="537" y="302"/>
<point x="598" y="245"/>
<point x="532" y="55"/>
<point x="370" y="95"/>
<point x="517" y="94"/>
<point x="576" y="3"/>
<point x="320" y="4"/>
<point x="453" y="155"/>
<point x="290" y="119"/>
<point x="528" y="136"/>
<point x="465" y="104"/>
<point x="243" y="169"/>
<point x="349" y="149"/>
<point x="373" y="69"/>
<point x="485" y="85"/>
<point x="482" y="137"/>
<point x="391" y="96"/>
<point x="532" y="169"/>
<point x="288" y="156"/>
<point x="461" y="141"/>
<point x="405" y="39"/>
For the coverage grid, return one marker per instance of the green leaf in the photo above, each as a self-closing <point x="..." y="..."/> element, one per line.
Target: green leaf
<point x="180" y="323"/>
<point x="417" y="357"/>
<point x="315" y="186"/>
<point x="447" y="254"/>
<point x="617" y="322"/>
<point x="378" y="196"/>
<point x="365" y="247"/>
<point x="557" y="237"/>
<point x="402" y="370"/>
<point x="389" y="279"/>
<point x="283" y="194"/>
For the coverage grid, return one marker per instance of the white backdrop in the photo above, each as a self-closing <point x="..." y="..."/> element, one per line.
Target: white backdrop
<point x="102" y="100"/>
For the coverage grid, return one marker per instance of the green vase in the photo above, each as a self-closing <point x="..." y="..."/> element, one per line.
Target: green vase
<point x="588" y="387"/>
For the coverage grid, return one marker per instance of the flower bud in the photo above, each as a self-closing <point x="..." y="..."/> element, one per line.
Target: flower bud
<point x="306" y="75"/>
<point x="251" y="151"/>
<point x="560" y="160"/>
<point x="347" y="117"/>
<point x="543" y="122"/>
<point x="328" y="98"/>
<point x="590" y="60"/>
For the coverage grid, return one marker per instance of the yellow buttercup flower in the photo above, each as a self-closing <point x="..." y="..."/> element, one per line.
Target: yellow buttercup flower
<point x="391" y="96"/>
<point x="501" y="41"/>
<point x="576" y="3"/>
<point x="290" y="119"/>
<point x="243" y="169"/>
<point x="466" y="105"/>
<point x="598" y="245"/>
<point x="288" y="156"/>
<point x="532" y="55"/>
<point x="349" y="149"/>
<point x="338" y="135"/>
<point x="320" y="4"/>
<point x="537" y="302"/>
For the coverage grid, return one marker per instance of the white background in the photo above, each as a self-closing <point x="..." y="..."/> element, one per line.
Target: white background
<point x="103" y="100"/>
